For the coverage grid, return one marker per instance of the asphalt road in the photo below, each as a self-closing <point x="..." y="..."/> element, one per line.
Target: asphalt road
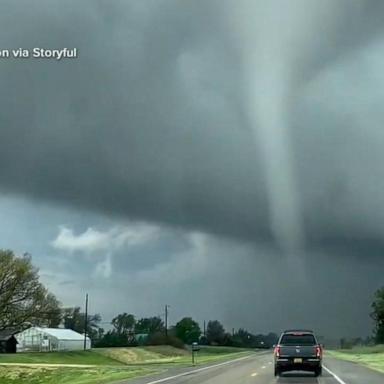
<point x="258" y="369"/>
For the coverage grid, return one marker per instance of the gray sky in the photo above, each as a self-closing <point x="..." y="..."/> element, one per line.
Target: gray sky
<point x="223" y="157"/>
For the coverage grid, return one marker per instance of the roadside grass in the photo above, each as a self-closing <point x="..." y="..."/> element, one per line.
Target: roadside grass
<point x="75" y="357"/>
<point x="109" y="364"/>
<point x="371" y="357"/>
<point x="170" y="356"/>
<point x="222" y="350"/>
<point x="143" y="355"/>
<point x="215" y="354"/>
<point x="364" y="350"/>
<point x="202" y="358"/>
<point x="44" y="375"/>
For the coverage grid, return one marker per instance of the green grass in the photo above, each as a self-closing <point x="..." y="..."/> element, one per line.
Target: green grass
<point x="215" y="354"/>
<point x="372" y="357"/>
<point x="110" y="364"/>
<point x="78" y="357"/>
<point x="167" y="355"/>
<point x="363" y="350"/>
<point x="40" y="375"/>
<point x="144" y="355"/>
<point x="222" y="350"/>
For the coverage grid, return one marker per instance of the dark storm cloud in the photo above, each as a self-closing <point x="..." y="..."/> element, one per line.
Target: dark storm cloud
<point x="149" y="122"/>
<point x="144" y="123"/>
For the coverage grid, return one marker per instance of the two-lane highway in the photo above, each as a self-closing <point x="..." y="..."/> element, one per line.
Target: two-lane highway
<point x="258" y="369"/>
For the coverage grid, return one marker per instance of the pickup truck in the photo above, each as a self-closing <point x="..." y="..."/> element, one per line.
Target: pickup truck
<point x="298" y="351"/>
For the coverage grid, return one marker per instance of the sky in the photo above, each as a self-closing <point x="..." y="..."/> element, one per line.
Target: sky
<point x="221" y="157"/>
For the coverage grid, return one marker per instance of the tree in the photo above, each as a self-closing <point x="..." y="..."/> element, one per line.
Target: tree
<point x="271" y="339"/>
<point x="215" y="332"/>
<point x="75" y="319"/>
<point x="187" y="330"/>
<point x="52" y="313"/>
<point x="149" y="325"/>
<point x="23" y="299"/>
<point x="124" y="323"/>
<point x="242" y="338"/>
<point x="113" y="339"/>
<point x="123" y="334"/>
<point x="159" y="338"/>
<point x="378" y="315"/>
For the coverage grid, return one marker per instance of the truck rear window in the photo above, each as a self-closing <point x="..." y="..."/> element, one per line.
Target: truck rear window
<point x="298" y="340"/>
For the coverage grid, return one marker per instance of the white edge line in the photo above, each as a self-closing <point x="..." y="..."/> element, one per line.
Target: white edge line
<point x="198" y="370"/>
<point x="334" y="375"/>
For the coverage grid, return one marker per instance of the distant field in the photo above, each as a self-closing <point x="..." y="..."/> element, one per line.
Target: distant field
<point x="372" y="357"/>
<point x="104" y="365"/>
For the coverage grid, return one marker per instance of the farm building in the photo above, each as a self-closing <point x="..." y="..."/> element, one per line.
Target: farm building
<point x="8" y="342"/>
<point x="50" y="339"/>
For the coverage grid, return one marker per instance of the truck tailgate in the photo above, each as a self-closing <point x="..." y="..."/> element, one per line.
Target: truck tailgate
<point x="297" y="351"/>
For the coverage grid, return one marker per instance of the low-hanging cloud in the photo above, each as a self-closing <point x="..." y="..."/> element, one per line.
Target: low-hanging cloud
<point x="93" y="240"/>
<point x="89" y="241"/>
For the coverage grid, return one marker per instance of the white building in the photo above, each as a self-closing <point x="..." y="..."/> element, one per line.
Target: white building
<point x="50" y="339"/>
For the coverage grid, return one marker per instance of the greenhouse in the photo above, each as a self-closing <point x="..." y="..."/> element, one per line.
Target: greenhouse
<point x="50" y="339"/>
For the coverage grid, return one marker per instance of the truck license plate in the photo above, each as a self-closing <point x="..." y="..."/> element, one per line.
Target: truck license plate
<point x="297" y="361"/>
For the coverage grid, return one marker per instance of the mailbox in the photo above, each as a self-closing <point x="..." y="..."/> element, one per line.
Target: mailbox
<point x="195" y="346"/>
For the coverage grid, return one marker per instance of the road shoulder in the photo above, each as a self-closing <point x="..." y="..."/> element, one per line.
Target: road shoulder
<point x="353" y="373"/>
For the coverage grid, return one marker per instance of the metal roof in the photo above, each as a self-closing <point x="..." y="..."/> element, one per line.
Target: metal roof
<point x="61" y="334"/>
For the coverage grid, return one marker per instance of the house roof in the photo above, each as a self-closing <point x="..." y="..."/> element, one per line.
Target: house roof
<point x="61" y="334"/>
<point x="6" y="334"/>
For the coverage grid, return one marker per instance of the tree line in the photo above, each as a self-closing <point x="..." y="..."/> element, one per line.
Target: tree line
<point x="25" y="302"/>
<point x="127" y="332"/>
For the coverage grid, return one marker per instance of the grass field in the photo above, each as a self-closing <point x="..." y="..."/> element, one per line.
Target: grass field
<point x="165" y="355"/>
<point x="81" y="357"/>
<point x="103" y="365"/>
<point x="45" y="375"/>
<point x="147" y="355"/>
<point x="372" y="357"/>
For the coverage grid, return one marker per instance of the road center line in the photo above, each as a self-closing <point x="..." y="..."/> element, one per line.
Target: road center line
<point x="254" y="374"/>
<point x="337" y="378"/>
<point x="197" y="370"/>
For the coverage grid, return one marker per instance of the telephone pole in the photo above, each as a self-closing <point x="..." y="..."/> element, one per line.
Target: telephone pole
<point x="166" y="320"/>
<point x="86" y="322"/>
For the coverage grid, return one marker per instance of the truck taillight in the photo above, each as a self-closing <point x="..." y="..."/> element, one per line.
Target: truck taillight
<point x="318" y="351"/>
<point x="277" y="351"/>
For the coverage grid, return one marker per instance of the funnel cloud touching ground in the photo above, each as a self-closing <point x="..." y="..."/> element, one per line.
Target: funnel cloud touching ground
<point x="254" y="121"/>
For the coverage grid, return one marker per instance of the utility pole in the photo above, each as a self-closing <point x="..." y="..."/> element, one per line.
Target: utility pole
<point x="86" y="322"/>
<point x="204" y="333"/>
<point x="166" y="320"/>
